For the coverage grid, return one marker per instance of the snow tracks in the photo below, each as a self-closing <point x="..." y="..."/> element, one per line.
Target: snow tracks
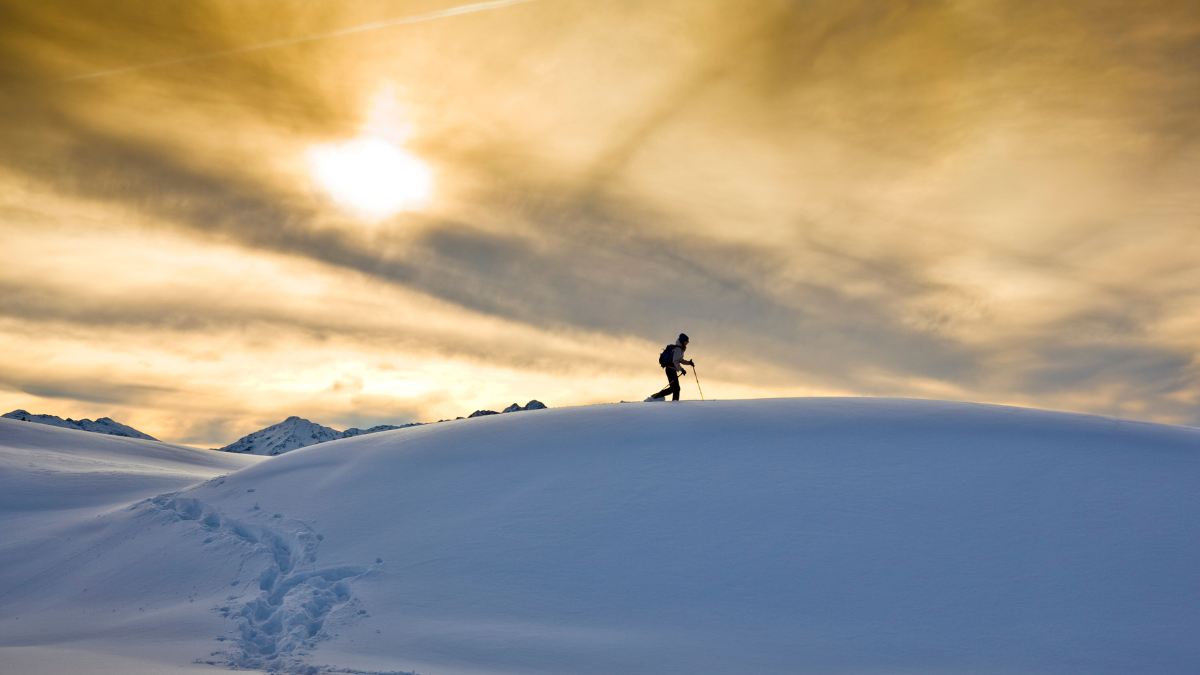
<point x="295" y="597"/>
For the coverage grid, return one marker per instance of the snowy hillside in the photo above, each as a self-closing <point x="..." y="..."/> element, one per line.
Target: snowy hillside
<point x="52" y="480"/>
<point x="769" y="537"/>
<point x="47" y="472"/>
<point x="104" y="425"/>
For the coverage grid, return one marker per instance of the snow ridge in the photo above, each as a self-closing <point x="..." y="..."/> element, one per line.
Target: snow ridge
<point x="103" y="425"/>
<point x="296" y="597"/>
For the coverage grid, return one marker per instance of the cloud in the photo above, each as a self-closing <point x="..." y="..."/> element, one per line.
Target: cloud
<point x="1150" y="371"/>
<point x="586" y="269"/>
<point x="862" y="197"/>
<point x="108" y="390"/>
<point x="636" y="283"/>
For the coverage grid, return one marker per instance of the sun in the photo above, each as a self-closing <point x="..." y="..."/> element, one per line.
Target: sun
<point x="371" y="176"/>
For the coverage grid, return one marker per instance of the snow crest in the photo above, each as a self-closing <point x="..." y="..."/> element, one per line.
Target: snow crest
<point x="276" y="628"/>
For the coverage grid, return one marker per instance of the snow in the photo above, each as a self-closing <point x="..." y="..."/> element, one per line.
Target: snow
<point x="55" y="483"/>
<point x="104" y="425"/>
<point x="46" y="470"/>
<point x="770" y="536"/>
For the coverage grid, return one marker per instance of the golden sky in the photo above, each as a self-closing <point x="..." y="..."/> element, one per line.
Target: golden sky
<point x="980" y="200"/>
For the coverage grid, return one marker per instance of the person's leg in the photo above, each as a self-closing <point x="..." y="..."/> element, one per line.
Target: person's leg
<point x="672" y="384"/>
<point x="673" y="377"/>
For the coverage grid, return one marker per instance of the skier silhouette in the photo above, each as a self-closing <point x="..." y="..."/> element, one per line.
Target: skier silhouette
<point x="670" y="359"/>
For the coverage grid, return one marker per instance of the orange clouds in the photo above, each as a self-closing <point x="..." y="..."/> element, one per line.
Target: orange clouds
<point x="982" y="200"/>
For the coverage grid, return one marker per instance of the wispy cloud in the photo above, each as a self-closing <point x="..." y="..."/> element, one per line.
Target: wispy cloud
<point x="326" y="35"/>
<point x="982" y="200"/>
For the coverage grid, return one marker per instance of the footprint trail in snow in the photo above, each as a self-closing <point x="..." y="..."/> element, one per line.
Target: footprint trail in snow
<point x="295" y="598"/>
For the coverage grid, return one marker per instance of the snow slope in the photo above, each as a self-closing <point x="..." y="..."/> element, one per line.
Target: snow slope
<point x="104" y="425"/>
<point x="54" y="483"/>
<point x="771" y="536"/>
<point x="46" y="470"/>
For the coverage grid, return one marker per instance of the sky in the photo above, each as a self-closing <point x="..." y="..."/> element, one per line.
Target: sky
<point x="975" y="200"/>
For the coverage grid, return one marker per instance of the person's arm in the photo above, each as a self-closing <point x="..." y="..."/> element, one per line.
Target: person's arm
<point x="677" y="358"/>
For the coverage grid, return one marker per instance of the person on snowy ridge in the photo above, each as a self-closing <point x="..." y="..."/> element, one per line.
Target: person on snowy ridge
<point x="670" y="359"/>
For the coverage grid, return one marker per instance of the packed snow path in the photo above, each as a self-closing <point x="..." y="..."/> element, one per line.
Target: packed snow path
<point x="772" y="536"/>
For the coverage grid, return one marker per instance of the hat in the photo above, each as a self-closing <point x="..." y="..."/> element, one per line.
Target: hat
<point x="683" y="337"/>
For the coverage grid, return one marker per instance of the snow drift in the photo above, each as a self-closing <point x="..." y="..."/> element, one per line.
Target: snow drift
<point x="54" y="485"/>
<point x="771" y="536"/>
<point x="46" y="472"/>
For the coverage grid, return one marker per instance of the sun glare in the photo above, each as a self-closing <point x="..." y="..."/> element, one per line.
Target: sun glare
<point x="371" y="176"/>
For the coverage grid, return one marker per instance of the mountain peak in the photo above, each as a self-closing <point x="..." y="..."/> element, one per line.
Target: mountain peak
<point x="516" y="407"/>
<point x="290" y="434"/>
<point x="103" y="425"/>
<point x="296" y="432"/>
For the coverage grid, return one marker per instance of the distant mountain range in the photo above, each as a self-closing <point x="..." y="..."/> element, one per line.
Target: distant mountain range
<point x="104" y="425"/>
<point x="532" y="405"/>
<point x="297" y="432"/>
<point x="290" y="434"/>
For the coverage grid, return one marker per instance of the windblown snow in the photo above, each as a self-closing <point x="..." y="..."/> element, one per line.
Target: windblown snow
<point x="774" y="536"/>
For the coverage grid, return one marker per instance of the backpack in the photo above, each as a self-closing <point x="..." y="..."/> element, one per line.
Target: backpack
<point x="667" y="358"/>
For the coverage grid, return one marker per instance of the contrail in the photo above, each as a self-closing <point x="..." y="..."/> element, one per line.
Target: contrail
<point x="417" y="18"/>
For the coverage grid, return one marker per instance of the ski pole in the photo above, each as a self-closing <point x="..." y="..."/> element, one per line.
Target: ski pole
<point x="697" y="376"/>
